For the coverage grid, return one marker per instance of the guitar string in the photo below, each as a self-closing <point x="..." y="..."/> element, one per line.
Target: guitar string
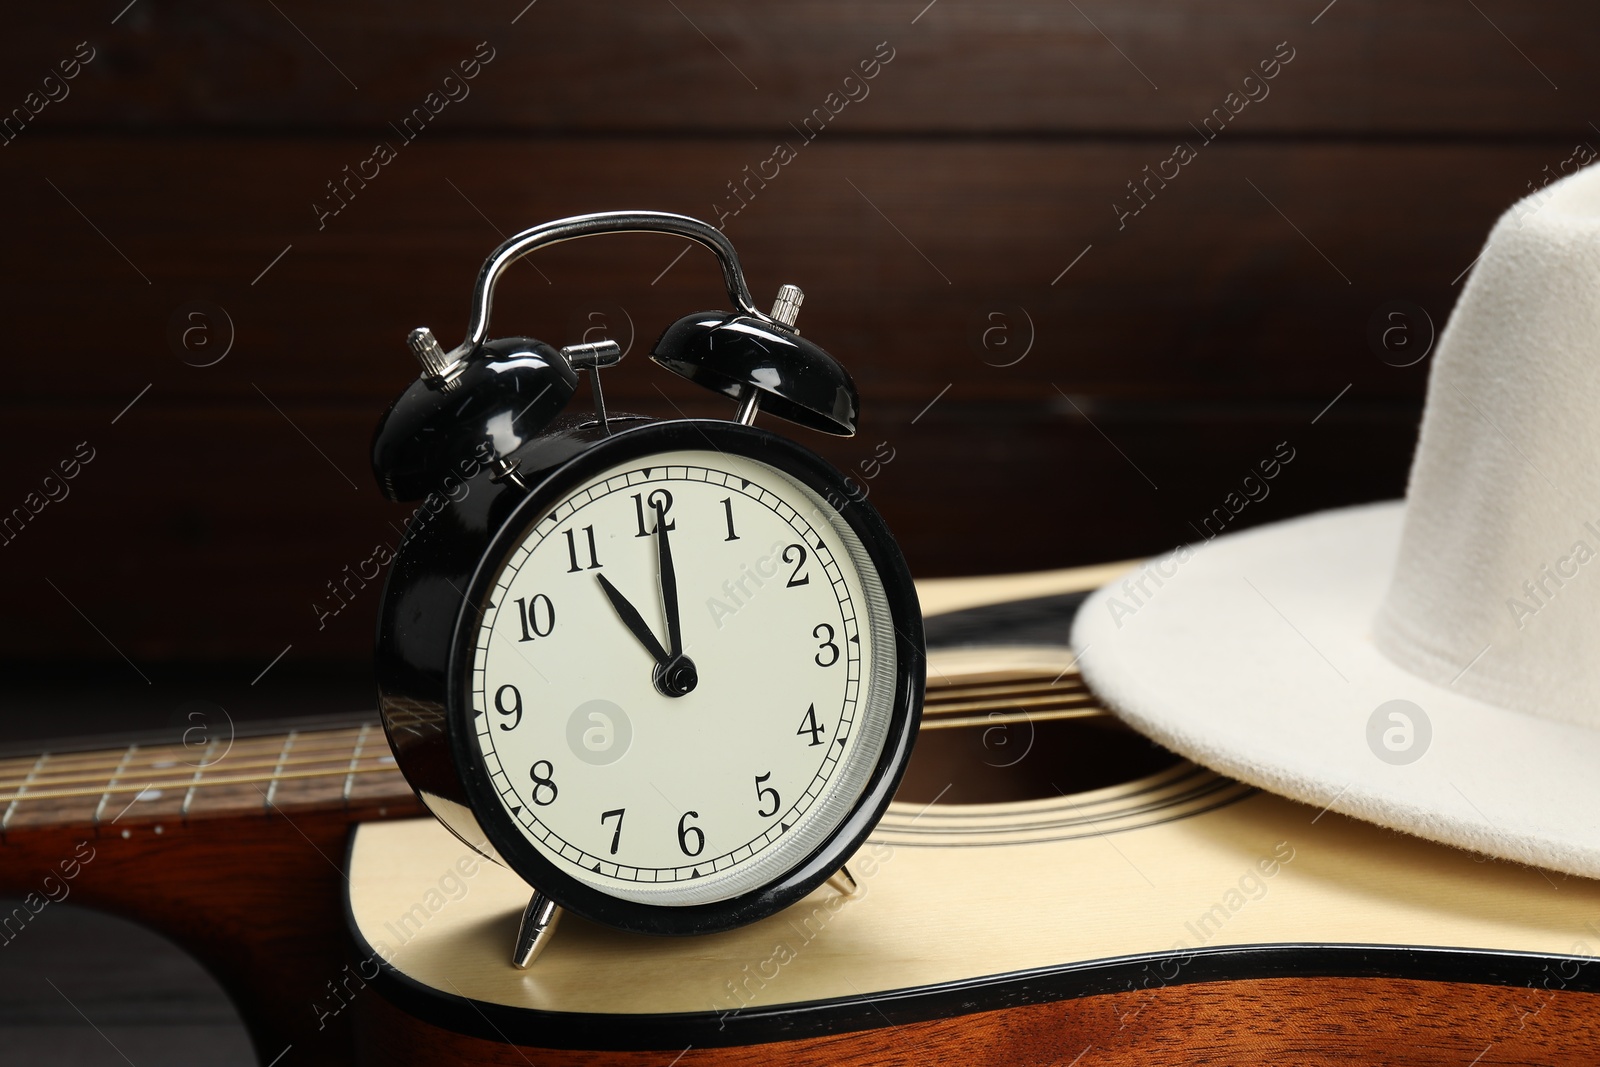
<point x="941" y="699"/>
<point x="341" y="755"/>
<point x="176" y="757"/>
<point x="377" y="763"/>
<point x="938" y="696"/>
<point x="204" y="783"/>
<point x="344" y="764"/>
<point x="944" y="715"/>
<point x="1066" y="706"/>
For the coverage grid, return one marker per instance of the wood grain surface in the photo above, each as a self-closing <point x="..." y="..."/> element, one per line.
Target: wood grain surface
<point x="1027" y="66"/>
<point x="1071" y="356"/>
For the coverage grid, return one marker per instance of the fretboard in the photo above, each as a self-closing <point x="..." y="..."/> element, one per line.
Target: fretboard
<point x="317" y="768"/>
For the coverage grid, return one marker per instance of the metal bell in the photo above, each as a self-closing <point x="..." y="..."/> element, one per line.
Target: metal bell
<point x="484" y="399"/>
<point x="466" y="412"/>
<point x="765" y="361"/>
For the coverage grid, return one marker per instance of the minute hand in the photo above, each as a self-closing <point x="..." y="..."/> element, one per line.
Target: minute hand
<point x="669" y="584"/>
<point x="634" y="622"/>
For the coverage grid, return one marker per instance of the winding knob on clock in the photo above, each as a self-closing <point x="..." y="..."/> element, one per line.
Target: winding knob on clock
<point x="786" y="308"/>
<point x="436" y="362"/>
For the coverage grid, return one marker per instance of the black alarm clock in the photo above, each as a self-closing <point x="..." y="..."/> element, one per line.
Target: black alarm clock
<point x="667" y="671"/>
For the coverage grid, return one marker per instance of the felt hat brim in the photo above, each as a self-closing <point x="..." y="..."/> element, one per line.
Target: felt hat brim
<point x="1254" y="656"/>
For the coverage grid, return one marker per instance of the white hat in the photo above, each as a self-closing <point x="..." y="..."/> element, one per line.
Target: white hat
<point x="1431" y="665"/>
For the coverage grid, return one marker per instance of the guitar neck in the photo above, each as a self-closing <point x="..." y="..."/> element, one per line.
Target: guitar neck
<point x="330" y="768"/>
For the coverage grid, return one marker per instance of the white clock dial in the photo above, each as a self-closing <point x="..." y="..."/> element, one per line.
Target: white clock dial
<point x="644" y="791"/>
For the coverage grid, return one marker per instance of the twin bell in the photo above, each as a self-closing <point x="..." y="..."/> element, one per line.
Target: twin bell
<point x="486" y="398"/>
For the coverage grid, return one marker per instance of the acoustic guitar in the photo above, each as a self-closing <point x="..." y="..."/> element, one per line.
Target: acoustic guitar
<point x="1048" y="887"/>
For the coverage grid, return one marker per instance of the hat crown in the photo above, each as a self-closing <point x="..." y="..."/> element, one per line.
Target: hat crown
<point x="1496" y="589"/>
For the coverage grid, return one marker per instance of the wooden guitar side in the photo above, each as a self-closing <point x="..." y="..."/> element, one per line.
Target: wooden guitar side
<point x="1276" y="1021"/>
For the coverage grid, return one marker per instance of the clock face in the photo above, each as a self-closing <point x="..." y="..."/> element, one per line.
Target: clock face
<point x="682" y="678"/>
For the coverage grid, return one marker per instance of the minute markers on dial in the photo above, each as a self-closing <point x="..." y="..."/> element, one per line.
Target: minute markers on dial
<point x="780" y="627"/>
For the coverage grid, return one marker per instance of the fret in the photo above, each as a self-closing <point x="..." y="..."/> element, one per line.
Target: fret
<point x="385" y="783"/>
<point x="194" y="783"/>
<point x="36" y="810"/>
<point x="100" y="808"/>
<point x="350" y="778"/>
<point x="225" y="795"/>
<point x="272" y="788"/>
<point x="323" y="788"/>
<point x="11" y="808"/>
<point x="162" y="769"/>
<point x="223" y="788"/>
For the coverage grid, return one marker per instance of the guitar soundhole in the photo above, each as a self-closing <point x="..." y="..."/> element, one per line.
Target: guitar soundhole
<point x="1007" y="738"/>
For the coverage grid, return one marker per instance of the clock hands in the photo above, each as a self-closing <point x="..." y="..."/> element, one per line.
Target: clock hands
<point x="634" y="622"/>
<point x="677" y="676"/>
<point x="669" y="582"/>
<point x="674" y="673"/>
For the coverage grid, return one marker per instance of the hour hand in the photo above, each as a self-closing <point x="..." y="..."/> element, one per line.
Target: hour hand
<point x="634" y="622"/>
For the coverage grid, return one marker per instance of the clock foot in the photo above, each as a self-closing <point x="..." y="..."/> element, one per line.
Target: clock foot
<point x="844" y="882"/>
<point x="538" y="922"/>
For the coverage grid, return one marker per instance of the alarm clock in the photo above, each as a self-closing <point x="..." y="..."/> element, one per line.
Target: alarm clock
<point x="669" y="672"/>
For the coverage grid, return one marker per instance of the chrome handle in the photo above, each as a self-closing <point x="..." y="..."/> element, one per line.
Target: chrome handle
<point x="600" y="222"/>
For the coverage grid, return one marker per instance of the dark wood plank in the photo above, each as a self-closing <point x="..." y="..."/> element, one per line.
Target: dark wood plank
<point x="715" y="65"/>
<point x="911" y="253"/>
<point x="997" y="146"/>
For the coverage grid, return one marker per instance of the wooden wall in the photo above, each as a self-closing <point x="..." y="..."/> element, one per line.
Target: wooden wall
<point x="1061" y="378"/>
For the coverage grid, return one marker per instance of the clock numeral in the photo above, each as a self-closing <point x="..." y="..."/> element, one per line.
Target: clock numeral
<point x="616" y="836"/>
<point x="528" y="613"/>
<point x="727" y="506"/>
<point x="515" y="709"/>
<point x="827" y="645"/>
<point x="660" y="500"/>
<point x="763" y="791"/>
<point x="684" y="833"/>
<point x="542" y="782"/>
<point x="809" y="725"/>
<point x="572" y="551"/>
<point x="796" y="578"/>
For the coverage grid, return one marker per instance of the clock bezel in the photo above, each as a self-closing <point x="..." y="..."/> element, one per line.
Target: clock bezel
<point x="803" y="466"/>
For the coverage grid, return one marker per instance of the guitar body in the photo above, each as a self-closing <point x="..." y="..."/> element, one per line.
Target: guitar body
<point x="1048" y="888"/>
<point x="1166" y="918"/>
